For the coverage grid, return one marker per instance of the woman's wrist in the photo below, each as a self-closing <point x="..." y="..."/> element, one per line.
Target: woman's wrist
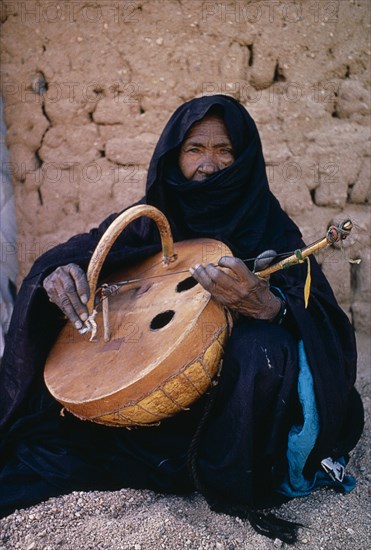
<point x="273" y="309"/>
<point x="283" y="310"/>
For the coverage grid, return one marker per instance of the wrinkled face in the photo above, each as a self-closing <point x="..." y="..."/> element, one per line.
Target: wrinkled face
<point x="206" y="149"/>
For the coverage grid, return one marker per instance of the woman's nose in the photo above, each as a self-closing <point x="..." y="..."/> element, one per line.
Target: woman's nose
<point x="208" y="166"/>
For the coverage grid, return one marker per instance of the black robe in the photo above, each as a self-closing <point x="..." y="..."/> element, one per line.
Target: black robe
<point x="241" y="453"/>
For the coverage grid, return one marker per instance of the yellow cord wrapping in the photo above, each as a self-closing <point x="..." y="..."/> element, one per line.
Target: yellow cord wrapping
<point x="308" y="281"/>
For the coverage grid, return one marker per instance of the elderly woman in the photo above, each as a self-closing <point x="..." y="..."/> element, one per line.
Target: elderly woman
<point x="285" y="414"/>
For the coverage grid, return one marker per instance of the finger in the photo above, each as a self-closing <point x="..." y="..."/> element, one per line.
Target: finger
<point x="48" y="290"/>
<point x="81" y="282"/>
<point x="213" y="279"/>
<point x="264" y="259"/>
<point x="63" y="301"/>
<point x="237" y="266"/>
<point x="69" y="290"/>
<point x="69" y="311"/>
<point x="220" y="278"/>
<point x="50" y="285"/>
<point x="199" y="273"/>
<point x="61" y="289"/>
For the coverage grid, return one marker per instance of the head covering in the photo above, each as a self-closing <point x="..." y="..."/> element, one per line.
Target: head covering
<point x="233" y="205"/>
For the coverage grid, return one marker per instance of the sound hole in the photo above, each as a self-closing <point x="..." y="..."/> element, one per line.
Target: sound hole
<point x="186" y="284"/>
<point x="162" y="319"/>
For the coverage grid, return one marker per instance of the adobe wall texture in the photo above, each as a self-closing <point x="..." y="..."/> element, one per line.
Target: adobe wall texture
<point x="88" y="86"/>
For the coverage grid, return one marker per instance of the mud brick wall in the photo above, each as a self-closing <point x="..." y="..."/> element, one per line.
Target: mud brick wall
<point x="88" y="86"/>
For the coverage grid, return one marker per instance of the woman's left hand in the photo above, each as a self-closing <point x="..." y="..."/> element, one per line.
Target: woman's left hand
<point x="240" y="290"/>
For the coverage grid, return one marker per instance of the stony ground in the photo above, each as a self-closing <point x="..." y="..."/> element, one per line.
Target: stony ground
<point x="142" y="520"/>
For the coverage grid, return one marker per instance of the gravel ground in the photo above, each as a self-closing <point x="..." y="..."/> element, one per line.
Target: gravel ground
<point x="142" y="520"/>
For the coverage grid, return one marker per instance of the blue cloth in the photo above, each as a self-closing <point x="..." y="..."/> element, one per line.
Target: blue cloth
<point x="302" y="438"/>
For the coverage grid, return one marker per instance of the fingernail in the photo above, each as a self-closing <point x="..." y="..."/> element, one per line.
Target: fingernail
<point x="84" y="299"/>
<point x="78" y="324"/>
<point x="84" y="316"/>
<point x="191" y="270"/>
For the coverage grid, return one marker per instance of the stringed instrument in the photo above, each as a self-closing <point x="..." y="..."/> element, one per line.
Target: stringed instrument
<point x="157" y="340"/>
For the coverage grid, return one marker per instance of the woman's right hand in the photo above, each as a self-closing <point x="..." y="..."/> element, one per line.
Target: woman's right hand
<point x="68" y="288"/>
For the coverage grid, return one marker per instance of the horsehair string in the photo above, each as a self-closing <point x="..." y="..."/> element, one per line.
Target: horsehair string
<point x="334" y="234"/>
